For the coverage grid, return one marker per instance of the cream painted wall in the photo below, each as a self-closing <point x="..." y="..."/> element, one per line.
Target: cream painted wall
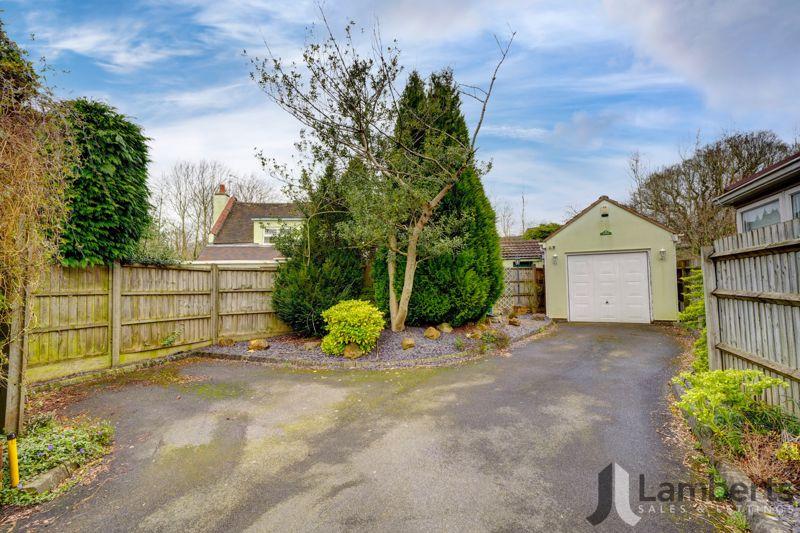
<point x="275" y="224"/>
<point x="628" y="233"/>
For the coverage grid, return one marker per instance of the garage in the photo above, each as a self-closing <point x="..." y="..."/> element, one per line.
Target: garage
<point x="610" y="263"/>
<point x="609" y="287"/>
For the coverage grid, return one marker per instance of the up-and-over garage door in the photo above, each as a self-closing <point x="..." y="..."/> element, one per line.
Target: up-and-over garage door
<point x="613" y="287"/>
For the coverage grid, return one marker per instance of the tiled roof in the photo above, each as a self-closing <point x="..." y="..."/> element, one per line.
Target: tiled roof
<point x="765" y="170"/>
<point x="238" y="225"/>
<point x="519" y="248"/>
<point x="239" y="252"/>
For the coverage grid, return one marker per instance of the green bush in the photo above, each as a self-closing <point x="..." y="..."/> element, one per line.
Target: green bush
<point x="108" y="198"/>
<point x="693" y="317"/>
<point x="725" y="401"/>
<point x="352" y="321"/>
<point x="789" y="451"/>
<point x="321" y="269"/>
<point x="47" y="443"/>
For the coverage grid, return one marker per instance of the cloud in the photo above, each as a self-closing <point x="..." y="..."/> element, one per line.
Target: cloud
<point x="742" y="55"/>
<point x="118" y="47"/>
<point x="231" y="137"/>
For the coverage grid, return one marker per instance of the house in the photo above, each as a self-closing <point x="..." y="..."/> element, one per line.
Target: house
<point x="519" y="252"/>
<point x="767" y="197"/>
<point x="243" y="232"/>
<point x="611" y="264"/>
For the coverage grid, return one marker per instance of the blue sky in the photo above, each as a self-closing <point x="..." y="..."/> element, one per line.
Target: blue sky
<point x="587" y="82"/>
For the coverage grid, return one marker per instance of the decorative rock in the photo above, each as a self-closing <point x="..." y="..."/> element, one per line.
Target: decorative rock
<point x="257" y="344"/>
<point x="225" y="341"/>
<point x="407" y="343"/>
<point x="521" y="310"/>
<point x="513" y="321"/>
<point x="432" y="333"/>
<point x="311" y="345"/>
<point x="352" y="351"/>
<point x="444" y="327"/>
<point x="47" y="480"/>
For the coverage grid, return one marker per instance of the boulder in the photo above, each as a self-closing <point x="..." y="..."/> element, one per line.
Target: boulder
<point x="432" y="333"/>
<point x="444" y="327"/>
<point x="513" y="321"/>
<point x="257" y="344"/>
<point x="352" y="351"/>
<point x="311" y="345"/>
<point x="225" y="341"/>
<point x="47" y="480"/>
<point x="407" y="343"/>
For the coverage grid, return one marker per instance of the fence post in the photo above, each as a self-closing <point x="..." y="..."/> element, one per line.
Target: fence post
<point x="712" y="308"/>
<point x="116" y="313"/>
<point x="14" y="394"/>
<point x="214" y="303"/>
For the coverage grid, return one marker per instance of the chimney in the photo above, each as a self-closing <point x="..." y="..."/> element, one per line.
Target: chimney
<point x="220" y="200"/>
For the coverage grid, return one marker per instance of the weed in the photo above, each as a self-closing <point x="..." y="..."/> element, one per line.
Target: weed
<point x="47" y="443"/>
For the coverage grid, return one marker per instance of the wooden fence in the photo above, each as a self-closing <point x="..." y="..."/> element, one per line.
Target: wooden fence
<point x="752" y="284"/>
<point x="523" y="286"/>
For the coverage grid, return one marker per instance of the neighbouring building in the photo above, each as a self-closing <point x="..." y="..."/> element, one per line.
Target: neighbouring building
<point x="610" y="263"/>
<point x="767" y="197"/>
<point x="243" y="232"/>
<point x="519" y="252"/>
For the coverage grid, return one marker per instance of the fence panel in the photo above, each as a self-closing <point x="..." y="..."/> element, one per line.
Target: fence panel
<point x="69" y="328"/>
<point x="245" y="302"/>
<point x="163" y="310"/>
<point x="523" y="286"/>
<point x="753" y="300"/>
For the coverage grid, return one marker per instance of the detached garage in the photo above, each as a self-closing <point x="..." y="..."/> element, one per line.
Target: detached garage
<point x="611" y="264"/>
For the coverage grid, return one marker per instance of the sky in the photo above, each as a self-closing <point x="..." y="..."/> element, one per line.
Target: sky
<point x="587" y="82"/>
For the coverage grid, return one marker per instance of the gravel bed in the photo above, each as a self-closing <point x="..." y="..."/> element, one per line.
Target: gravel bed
<point x="294" y="349"/>
<point x="789" y="512"/>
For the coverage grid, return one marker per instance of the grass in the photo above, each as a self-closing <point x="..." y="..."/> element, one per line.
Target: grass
<point x="49" y="442"/>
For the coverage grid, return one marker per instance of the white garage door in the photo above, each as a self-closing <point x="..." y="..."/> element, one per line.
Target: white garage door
<point x="609" y="287"/>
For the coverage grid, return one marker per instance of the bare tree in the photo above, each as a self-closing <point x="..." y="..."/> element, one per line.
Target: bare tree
<point x="349" y="105"/>
<point x="252" y="188"/>
<point x="681" y="196"/>
<point x="505" y="218"/>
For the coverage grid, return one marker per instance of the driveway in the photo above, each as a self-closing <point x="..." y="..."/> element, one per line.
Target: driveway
<point x="504" y="444"/>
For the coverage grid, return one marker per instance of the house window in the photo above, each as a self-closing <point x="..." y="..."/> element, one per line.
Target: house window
<point x="269" y="235"/>
<point x="761" y="216"/>
<point x="796" y="205"/>
<point x="523" y="263"/>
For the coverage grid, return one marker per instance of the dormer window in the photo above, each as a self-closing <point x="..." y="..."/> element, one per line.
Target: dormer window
<point x="269" y="235"/>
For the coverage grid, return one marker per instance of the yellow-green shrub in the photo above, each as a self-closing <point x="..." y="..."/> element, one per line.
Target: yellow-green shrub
<point x="352" y="321"/>
<point x="723" y="401"/>
<point x="789" y="451"/>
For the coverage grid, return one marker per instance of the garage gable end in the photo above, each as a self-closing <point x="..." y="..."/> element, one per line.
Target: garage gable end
<point x="614" y="211"/>
<point x="611" y="264"/>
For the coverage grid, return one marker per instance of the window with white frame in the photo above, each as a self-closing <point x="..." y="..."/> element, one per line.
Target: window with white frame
<point x="779" y="207"/>
<point x="763" y="215"/>
<point x="269" y="235"/>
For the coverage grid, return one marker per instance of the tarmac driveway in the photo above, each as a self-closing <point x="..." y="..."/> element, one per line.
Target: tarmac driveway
<point x="504" y="444"/>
